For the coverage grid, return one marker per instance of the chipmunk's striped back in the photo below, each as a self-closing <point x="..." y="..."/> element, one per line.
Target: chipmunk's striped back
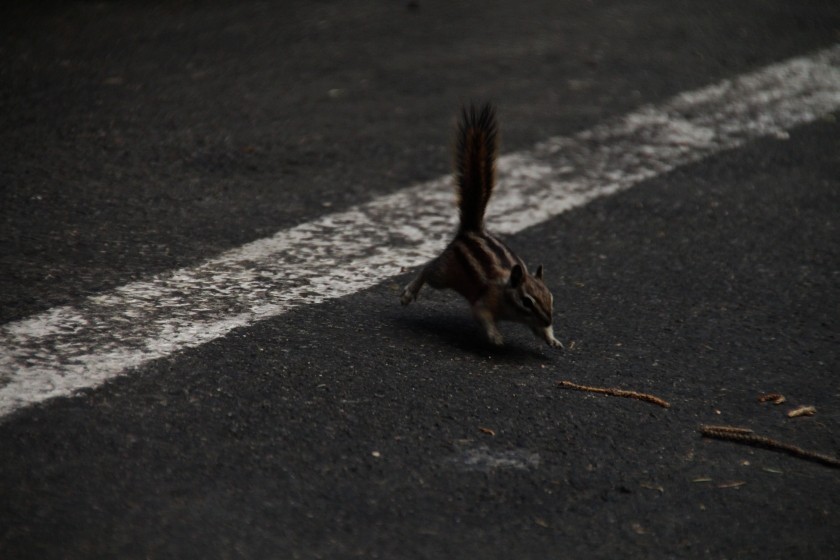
<point x="476" y="264"/>
<point x="484" y="259"/>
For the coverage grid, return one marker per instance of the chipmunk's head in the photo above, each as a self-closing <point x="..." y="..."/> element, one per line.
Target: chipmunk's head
<point x="530" y="297"/>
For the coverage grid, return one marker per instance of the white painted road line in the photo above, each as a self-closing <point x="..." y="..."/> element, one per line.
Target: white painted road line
<point x="70" y="348"/>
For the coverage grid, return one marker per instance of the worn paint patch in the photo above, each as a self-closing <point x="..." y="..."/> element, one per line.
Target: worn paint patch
<point x="73" y="347"/>
<point x="483" y="459"/>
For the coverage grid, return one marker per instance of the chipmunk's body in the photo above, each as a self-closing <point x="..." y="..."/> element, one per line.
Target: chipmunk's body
<point x="476" y="264"/>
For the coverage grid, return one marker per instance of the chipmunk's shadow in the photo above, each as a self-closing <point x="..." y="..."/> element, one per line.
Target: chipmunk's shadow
<point x="462" y="333"/>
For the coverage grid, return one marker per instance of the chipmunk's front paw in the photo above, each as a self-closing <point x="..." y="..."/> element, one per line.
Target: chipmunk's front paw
<point x="548" y="336"/>
<point x="554" y="343"/>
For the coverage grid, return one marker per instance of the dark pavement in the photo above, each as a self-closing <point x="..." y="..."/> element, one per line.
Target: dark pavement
<point x="138" y="138"/>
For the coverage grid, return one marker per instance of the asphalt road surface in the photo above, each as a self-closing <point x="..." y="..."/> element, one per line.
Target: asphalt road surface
<point x="145" y="145"/>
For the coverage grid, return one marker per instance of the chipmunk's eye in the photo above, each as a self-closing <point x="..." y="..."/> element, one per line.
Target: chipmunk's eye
<point x="528" y="301"/>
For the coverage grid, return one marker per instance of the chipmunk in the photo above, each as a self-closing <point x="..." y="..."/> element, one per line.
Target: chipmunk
<point x="476" y="264"/>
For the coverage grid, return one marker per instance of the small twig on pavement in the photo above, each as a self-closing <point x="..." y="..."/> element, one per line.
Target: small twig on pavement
<point x="746" y="436"/>
<point x="775" y="398"/>
<point x="802" y="411"/>
<point x="616" y="393"/>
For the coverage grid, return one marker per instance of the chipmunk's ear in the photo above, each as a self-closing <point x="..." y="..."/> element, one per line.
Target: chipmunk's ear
<point x="516" y="276"/>
<point x="539" y="273"/>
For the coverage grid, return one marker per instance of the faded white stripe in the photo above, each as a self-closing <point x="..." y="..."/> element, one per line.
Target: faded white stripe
<point x="73" y="347"/>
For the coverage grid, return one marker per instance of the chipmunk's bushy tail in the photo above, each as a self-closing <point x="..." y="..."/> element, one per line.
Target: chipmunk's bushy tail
<point x="475" y="164"/>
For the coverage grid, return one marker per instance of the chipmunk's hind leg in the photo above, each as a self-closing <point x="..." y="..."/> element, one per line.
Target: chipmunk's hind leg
<point x="488" y="323"/>
<point x="430" y="273"/>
